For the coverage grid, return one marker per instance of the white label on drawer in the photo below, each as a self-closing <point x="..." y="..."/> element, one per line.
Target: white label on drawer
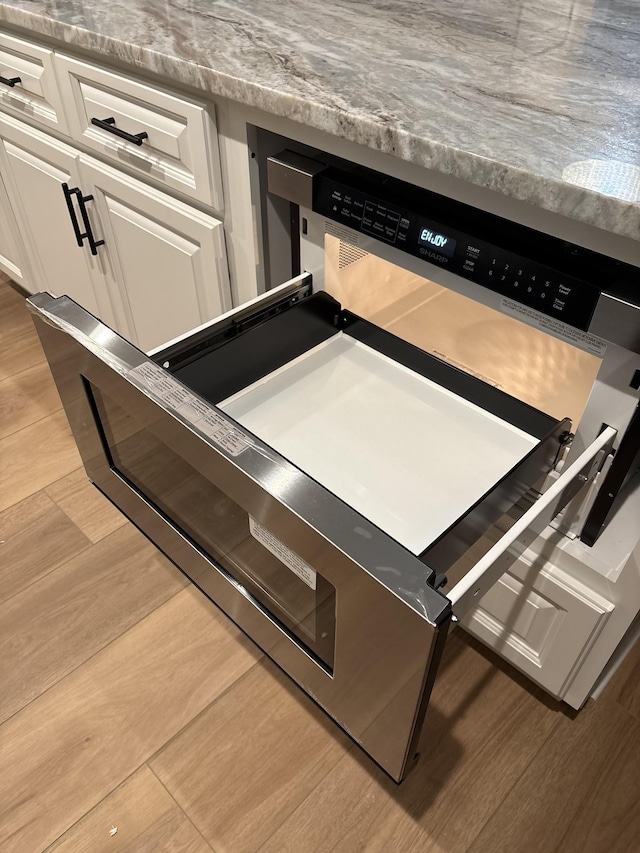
<point x="218" y="430"/>
<point x="284" y="554"/>
<point x="192" y="409"/>
<point x="557" y="328"/>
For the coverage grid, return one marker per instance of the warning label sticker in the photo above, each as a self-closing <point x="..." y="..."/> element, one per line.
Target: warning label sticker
<point x="193" y="410"/>
<point x="284" y="554"/>
<point x="557" y="328"/>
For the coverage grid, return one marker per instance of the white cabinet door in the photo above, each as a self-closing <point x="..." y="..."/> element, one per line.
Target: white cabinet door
<point x="541" y="620"/>
<point x="163" y="261"/>
<point x="11" y="251"/>
<point x="35" y="168"/>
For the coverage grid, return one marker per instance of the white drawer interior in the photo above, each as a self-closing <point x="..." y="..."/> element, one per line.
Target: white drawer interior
<point x="400" y="449"/>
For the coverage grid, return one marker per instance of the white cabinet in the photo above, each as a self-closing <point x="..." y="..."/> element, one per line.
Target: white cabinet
<point x="35" y="168"/>
<point x="162" y="267"/>
<point x="158" y="266"/>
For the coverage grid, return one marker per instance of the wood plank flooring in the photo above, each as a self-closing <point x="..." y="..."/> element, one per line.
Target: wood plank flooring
<point x="134" y="716"/>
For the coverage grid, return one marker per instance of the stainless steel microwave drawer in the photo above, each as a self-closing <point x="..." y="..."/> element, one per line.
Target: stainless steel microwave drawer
<point x="316" y="477"/>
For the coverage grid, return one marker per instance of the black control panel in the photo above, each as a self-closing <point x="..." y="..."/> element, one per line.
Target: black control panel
<point x="512" y="260"/>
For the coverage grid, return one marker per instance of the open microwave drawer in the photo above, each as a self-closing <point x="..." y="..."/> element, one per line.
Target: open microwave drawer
<point x="317" y="478"/>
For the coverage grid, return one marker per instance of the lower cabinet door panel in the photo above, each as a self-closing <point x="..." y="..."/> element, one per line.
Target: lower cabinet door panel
<point x="34" y="170"/>
<point x="164" y="262"/>
<point x="11" y="253"/>
<point x="540" y="620"/>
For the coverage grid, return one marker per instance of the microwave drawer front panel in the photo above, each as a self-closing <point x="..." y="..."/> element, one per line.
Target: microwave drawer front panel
<point x="342" y="608"/>
<point x="169" y="139"/>
<point x="28" y="88"/>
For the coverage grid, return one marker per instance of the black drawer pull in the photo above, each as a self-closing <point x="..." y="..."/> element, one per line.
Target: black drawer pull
<point x="88" y="233"/>
<point x="109" y="124"/>
<point x="10" y="81"/>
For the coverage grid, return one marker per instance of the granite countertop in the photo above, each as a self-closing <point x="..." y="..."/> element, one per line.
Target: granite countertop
<point x="509" y="96"/>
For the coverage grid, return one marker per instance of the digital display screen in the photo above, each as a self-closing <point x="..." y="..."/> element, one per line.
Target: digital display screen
<point x="438" y="242"/>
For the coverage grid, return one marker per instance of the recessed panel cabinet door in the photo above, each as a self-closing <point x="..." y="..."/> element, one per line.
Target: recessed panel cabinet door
<point x="34" y="170"/>
<point x="11" y="253"/>
<point x="164" y="262"/>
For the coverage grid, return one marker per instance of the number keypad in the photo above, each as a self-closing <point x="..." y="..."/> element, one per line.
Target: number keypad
<point x="536" y="286"/>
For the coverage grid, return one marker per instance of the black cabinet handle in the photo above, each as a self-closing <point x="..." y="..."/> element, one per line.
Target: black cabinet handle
<point x="88" y="233"/>
<point x="72" y="214"/>
<point x="109" y="124"/>
<point x="10" y="81"/>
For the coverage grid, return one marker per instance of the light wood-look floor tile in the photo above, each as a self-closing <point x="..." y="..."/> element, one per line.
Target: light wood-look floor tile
<point x="13" y="308"/>
<point x="85" y="505"/>
<point x="73" y="745"/>
<point x="146" y="820"/>
<point x="35" y="457"/>
<point x="20" y="347"/>
<point x="73" y="612"/>
<point x="481" y="732"/>
<point x="625" y="686"/>
<point x="245" y="764"/>
<point x="579" y="795"/>
<point x="35" y="538"/>
<point x="345" y="801"/>
<point x="27" y="397"/>
<point x="19" y="351"/>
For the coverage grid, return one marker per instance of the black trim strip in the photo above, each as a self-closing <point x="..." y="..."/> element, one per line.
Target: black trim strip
<point x="489" y="398"/>
<point x="256" y="351"/>
<point x="294" y="225"/>
<point x="622" y="465"/>
<point x="600" y="272"/>
<point x="219" y="333"/>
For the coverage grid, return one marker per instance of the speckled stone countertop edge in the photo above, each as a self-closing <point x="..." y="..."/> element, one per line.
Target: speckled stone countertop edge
<point x="608" y="213"/>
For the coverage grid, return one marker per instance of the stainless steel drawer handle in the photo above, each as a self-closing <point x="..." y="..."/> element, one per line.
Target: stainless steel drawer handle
<point x="109" y="124"/>
<point x="10" y="81"/>
<point x="88" y="233"/>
